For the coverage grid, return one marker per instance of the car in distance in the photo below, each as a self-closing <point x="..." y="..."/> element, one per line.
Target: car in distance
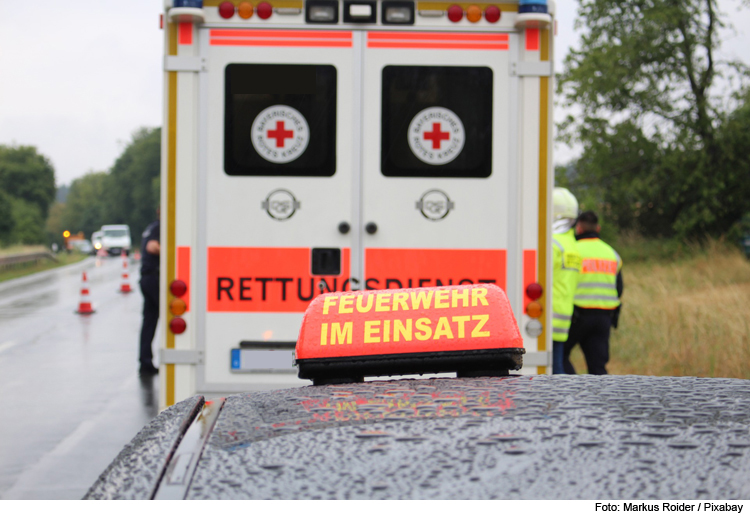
<point x="514" y="437"/>
<point x="83" y="246"/>
<point x="115" y="239"/>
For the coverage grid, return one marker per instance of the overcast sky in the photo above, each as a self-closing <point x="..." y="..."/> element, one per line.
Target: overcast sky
<point x="77" y="78"/>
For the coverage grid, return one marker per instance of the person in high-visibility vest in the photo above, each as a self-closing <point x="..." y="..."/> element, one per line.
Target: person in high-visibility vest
<point x="597" y="298"/>
<point x="566" y="263"/>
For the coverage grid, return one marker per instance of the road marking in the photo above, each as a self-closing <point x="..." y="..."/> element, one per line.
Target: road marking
<point x="5" y="346"/>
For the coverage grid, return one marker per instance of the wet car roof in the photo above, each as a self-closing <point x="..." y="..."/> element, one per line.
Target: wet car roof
<point x="541" y="437"/>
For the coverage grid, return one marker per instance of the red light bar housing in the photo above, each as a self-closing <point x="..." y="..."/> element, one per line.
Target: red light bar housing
<point x="467" y="329"/>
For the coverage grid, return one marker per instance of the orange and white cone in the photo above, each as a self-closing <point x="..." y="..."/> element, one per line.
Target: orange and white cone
<point x="84" y="306"/>
<point x="125" y="286"/>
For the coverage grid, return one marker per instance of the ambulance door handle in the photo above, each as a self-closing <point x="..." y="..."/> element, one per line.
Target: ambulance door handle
<point x="344" y="228"/>
<point x="371" y="227"/>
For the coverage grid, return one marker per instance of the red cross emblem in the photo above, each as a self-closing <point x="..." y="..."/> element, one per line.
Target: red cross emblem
<point x="280" y="134"/>
<point x="436" y="136"/>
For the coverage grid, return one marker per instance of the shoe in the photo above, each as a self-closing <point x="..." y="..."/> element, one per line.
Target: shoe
<point x="148" y="370"/>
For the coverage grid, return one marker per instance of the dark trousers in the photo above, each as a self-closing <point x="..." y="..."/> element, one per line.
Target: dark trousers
<point x="150" y="289"/>
<point x="590" y="329"/>
<point x="558" y="350"/>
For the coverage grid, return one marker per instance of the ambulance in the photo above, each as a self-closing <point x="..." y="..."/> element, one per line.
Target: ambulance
<point x="315" y="146"/>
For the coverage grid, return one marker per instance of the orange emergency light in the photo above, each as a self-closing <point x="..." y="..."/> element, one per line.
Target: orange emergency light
<point x="467" y="329"/>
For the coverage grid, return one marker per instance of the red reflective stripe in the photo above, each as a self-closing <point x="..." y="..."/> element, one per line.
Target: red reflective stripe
<point x="529" y="273"/>
<point x="282" y="43"/>
<point x="249" y="33"/>
<point x="183" y="272"/>
<point x="186" y="33"/>
<point x="391" y="35"/>
<point x="391" y="268"/>
<point x="437" y="45"/>
<point x="532" y="39"/>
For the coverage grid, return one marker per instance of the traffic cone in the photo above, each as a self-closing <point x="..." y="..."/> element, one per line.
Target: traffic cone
<point x="125" y="286"/>
<point x="84" y="306"/>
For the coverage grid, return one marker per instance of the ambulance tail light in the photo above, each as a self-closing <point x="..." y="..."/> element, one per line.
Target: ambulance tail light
<point x="534" y="291"/>
<point x="178" y="288"/>
<point x="177" y="325"/>
<point x="534" y="328"/>
<point x="177" y="307"/>
<point x="492" y="14"/>
<point x="473" y="14"/>
<point x="245" y="10"/>
<point x="455" y="13"/>
<point x="226" y="10"/>
<point x="264" y="10"/>
<point x="534" y="309"/>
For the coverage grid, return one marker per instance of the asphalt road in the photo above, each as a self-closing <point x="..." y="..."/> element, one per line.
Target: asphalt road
<point x="71" y="394"/>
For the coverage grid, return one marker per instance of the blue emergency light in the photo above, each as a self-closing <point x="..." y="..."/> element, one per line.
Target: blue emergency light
<point x="532" y="6"/>
<point x="193" y="3"/>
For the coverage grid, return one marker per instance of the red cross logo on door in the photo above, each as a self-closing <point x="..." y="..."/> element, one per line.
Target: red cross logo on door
<point x="280" y="134"/>
<point x="436" y="136"/>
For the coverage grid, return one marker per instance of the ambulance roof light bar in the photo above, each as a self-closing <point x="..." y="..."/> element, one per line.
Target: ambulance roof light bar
<point x="185" y="11"/>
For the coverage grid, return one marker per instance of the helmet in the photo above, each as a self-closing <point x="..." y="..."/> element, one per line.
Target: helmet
<point x="564" y="204"/>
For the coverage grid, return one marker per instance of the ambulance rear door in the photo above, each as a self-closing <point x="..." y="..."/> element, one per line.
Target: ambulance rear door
<point x="438" y="159"/>
<point x="276" y="106"/>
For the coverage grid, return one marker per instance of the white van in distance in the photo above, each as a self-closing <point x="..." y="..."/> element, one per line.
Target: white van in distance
<point x="115" y="239"/>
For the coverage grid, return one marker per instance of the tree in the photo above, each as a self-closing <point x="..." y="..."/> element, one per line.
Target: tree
<point x="86" y="207"/>
<point x="645" y="79"/>
<point x="26" y="174"/>
<point x="7" y="222"/>
<point x="56" y="224"/>
<point x="130" y="186"/>
<point x="28" y="222"/>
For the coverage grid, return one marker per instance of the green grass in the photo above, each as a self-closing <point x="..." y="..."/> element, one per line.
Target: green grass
<point x="23" y="270"/>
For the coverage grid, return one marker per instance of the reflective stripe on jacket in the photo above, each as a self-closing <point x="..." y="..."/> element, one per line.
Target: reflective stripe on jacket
<point x="566" y="263"/>
<point x="597" y="282"/>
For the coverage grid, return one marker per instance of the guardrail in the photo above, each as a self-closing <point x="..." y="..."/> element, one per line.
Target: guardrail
<point x="26" y="259"/>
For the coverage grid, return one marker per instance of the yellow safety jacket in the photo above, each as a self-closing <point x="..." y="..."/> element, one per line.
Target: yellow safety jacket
<point x="566" y="263"/>
<point x="597" y="282"/>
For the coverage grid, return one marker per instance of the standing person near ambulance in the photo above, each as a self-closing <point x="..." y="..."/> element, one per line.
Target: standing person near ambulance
<point x="566" y="265"/>
<point x="597" y="298"/>
<point x="149" y="283"/>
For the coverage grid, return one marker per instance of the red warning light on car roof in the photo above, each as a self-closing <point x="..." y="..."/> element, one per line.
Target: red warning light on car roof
<point x="469" y="329"/>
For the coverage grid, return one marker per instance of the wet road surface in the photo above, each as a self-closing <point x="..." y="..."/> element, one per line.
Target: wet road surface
<point x="69" y="385"/>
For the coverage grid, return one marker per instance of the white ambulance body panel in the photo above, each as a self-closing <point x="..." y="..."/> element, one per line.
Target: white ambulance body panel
<point x="384" y="156"/>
